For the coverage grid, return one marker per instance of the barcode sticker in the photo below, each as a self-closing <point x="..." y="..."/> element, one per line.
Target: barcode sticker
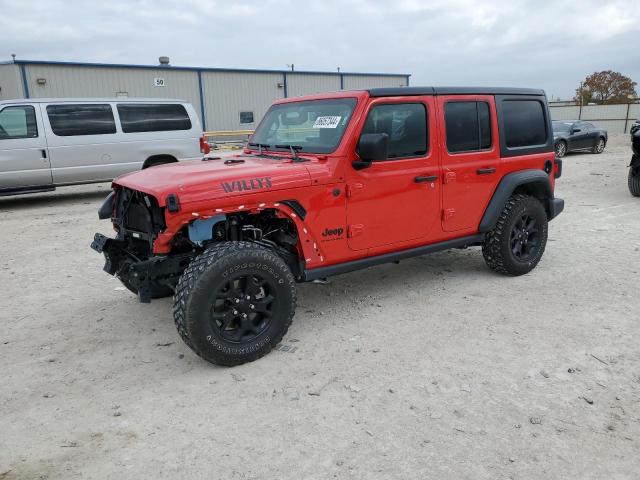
<point x="327" y="122"/>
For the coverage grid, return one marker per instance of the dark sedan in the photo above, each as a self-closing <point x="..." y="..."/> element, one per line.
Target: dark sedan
<point x="572" y="135"/>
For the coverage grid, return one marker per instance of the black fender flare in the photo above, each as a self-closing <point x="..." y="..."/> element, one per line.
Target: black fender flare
<point x="535" y="183"/>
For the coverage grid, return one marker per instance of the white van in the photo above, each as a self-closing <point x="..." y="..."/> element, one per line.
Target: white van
<point x="46" y="143"/>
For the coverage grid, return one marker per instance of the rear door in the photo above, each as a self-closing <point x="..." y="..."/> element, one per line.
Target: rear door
<point x="24" y="160"/>
<point x="470" y="158"/>
<point x="398" y="199"/>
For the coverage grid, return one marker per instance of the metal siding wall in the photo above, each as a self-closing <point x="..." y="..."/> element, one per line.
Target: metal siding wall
<point x="229" y="93"/>
<point x="361" y="82"/>
<point x="564" y="112"/>
<point x="306" y="84"/>
<point x="10" y="82"/>
<point x="69" y="81"/>
<point x="609" y="117"/>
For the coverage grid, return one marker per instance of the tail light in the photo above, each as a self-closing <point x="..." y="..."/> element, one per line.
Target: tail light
<point x="204" y="145"/>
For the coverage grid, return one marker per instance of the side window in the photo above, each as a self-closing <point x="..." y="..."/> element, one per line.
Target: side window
<point x="141" y="117"/>
<point x="18" y="122"/>
<point x="406" y="126"/>
<point x="524" y="123"/>
<point x="468" y="126"/>
<point x="75" y="120"/>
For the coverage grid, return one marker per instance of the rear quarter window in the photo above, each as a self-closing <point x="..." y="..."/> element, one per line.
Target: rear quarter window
<point x="137" y="118"/>
<point x="524" y="123"/>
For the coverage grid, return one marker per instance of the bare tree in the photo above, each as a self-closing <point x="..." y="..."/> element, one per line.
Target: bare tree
<point x="606" y="87"/>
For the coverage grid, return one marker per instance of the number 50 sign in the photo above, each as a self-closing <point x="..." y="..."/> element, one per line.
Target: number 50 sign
<point x="159" y="82"/>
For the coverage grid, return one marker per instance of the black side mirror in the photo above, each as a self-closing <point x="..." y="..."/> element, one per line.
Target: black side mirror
<point x="372" y="146"/>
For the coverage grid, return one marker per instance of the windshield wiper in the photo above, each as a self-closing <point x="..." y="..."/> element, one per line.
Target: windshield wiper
<point x="294" y="151"/>
<point x="260" y="146"/>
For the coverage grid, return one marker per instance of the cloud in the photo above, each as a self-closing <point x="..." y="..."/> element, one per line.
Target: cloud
<point x="547" y="44"/>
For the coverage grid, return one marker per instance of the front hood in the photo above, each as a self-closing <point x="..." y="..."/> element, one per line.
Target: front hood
<point x="199" y="180"/>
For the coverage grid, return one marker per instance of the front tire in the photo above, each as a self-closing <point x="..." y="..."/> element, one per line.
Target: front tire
<point x="599" y="146"/>
<point x="634" y="181"/>
<point x="561" y="149"/>
<point x="517" y="242"/>
<point x="234" y="302"/>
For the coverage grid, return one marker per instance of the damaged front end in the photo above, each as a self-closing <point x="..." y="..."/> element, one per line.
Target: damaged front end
<point x="137" y="220"/>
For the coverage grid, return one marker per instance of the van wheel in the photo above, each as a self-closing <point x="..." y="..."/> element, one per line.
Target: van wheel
<point x="234" y="302"/>
<point x="158" y="160"/>
<point x="517" y="242"/>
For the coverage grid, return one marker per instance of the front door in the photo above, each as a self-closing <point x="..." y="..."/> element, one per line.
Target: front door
<point x="397" y="199"/>
<point x="581" y="139"/>
<point x="24" y="160"/>
<point x="470" y="158"/>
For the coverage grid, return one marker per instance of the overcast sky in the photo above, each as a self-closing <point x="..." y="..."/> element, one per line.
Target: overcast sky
<point x="535" y="43"/>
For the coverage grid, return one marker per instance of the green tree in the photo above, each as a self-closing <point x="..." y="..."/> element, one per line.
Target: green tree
<point x="606" y="87"/>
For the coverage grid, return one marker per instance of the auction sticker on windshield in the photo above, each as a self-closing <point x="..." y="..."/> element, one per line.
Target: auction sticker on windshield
<point x="327" y="122"/>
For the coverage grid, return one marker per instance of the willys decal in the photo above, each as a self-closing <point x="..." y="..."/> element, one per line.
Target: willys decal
<point x="247" y="184"/>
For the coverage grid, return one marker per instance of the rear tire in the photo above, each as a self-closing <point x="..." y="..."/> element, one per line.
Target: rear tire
<point x="517" y="242"/>
<point x="634" y="181"/>
<point x="234" y="302"/>
<point x="599" y="146"/>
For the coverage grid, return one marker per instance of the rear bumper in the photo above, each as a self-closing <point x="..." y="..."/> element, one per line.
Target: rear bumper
<point x="556" y="206"/>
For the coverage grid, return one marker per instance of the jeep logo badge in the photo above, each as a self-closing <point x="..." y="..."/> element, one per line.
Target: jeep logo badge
<point x="249" y="184"/>
<point x="332" y="232"/>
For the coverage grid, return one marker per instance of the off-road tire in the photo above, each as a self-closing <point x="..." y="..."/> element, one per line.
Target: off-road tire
<point x="561" y="149"/>
<point x="156" y="291"/>
<point x="497" y="248"/>
<point x="196" y="296"/>
<point x="599" y="146"/>
<point x="634" y="181"/>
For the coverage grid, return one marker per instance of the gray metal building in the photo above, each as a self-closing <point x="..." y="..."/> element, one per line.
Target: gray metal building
<point x="226" y="99"/>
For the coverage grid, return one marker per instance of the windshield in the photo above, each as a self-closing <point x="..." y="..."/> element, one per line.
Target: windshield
<point x="562" y="126"/>
<point x="315" y="126"/>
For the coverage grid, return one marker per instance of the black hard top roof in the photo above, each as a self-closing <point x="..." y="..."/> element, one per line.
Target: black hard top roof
<point x="411" y="91"/>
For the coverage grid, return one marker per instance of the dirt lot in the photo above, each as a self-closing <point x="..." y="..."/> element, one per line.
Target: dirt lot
<point x="434" y="368"/>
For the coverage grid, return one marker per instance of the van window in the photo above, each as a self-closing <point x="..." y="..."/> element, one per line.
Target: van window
<point x="18" y="122"/>
<point x="468" y="126"/>
<point x="74" y="120"/>
<point x="406" y="126"/>
<point x="524" y="123"/>
<point x="142" y="117"/>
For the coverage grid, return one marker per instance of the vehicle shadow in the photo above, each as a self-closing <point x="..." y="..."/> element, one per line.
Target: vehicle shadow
<point x="51" y="199"/>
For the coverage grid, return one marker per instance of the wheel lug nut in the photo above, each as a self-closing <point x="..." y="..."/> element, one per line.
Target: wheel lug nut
<point x="237" y="300"/>
<point x="252" y="306"/>
<point x="244" y="315"/>
<point x="248" y="297"/>
<point x="235" y="312"/>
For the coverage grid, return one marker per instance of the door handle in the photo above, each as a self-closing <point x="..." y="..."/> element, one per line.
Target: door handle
<point x="423" y="179"/>
<point x="486" y="171"/>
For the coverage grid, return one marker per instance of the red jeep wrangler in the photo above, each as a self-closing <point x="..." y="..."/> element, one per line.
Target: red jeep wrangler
<point x="329" y="184"/>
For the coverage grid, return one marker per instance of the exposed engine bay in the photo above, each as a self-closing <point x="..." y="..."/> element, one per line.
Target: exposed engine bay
<point x="138" y="219"/>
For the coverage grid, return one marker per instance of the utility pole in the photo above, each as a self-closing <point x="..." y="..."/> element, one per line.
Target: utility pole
<point x="290" y="66"/>
<point x="580" y="112"/>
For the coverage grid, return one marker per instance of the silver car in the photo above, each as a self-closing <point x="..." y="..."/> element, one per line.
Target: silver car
<point x="46" y="143"/>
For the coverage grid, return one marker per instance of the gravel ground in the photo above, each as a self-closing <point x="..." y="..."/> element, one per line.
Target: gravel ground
<point x="434" y="368"/>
